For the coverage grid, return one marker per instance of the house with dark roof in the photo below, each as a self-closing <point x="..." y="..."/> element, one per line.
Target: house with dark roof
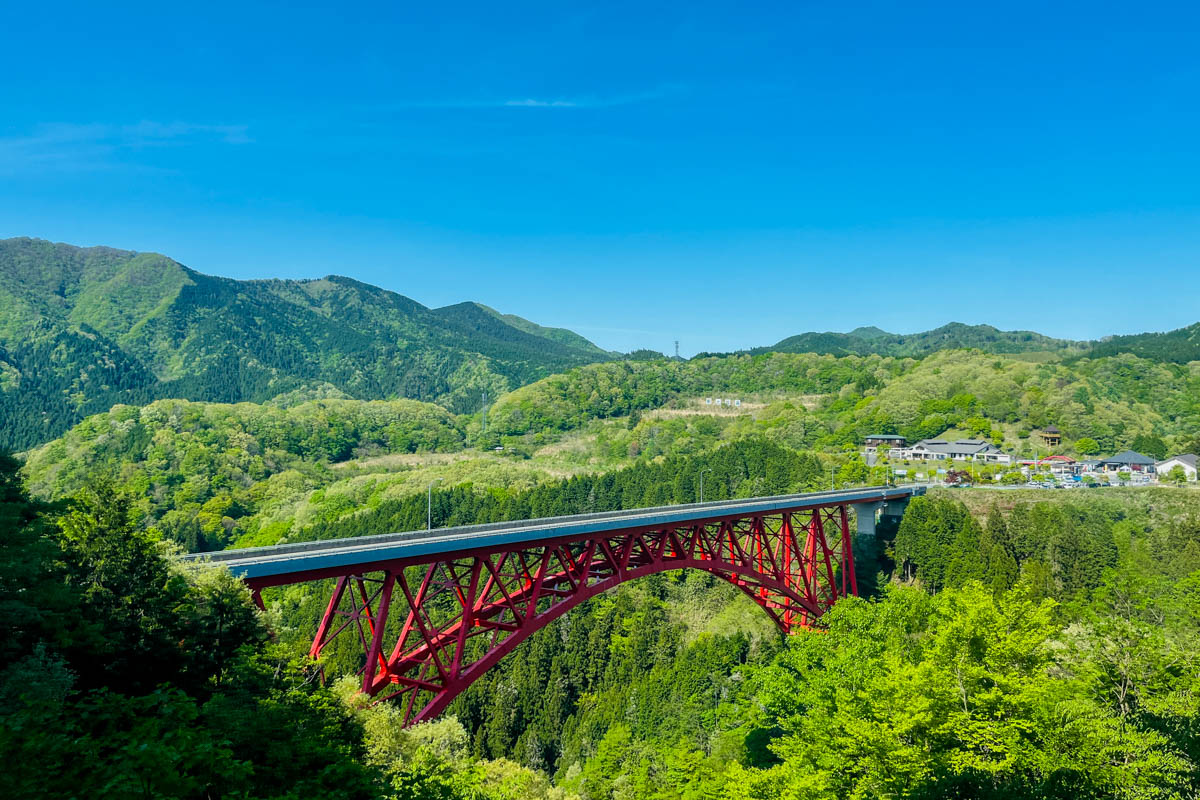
<point x="1187" y="462"/>
<point x="886" y="439"/>
<point x="1128" y="461"/>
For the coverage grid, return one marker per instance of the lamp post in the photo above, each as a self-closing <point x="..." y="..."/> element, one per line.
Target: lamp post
<point x="831" y="486"/>
<point x="429" y="504"/>
<point x="706" y="469"/>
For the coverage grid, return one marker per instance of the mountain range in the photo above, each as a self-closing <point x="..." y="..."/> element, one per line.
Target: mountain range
<point x="1178" y="346"/>
<point x="955" y="335"/>
<point x="82" y="329"/>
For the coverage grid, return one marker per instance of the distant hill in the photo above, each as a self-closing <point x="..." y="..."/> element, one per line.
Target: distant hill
<point x="84" y="328"/>
<point x="1177" y="346"/>
<point x="954" y="336"/>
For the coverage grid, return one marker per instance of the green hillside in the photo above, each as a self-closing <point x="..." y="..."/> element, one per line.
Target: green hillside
<point x="82" y="329"/>
<point x="211" y="475"/>
<point x="561" y="335"/>
<point x="1179" y="346"/>
<point x="830" y="402"/>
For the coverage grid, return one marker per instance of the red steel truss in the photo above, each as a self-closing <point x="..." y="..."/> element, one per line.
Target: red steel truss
<point x="458" y="614"/>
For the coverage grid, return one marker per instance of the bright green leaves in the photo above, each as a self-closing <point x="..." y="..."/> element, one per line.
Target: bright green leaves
<point x="967" y="693"/>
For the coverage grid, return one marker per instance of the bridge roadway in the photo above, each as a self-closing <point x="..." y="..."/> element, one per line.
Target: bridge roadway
<point x="299" y="561"/>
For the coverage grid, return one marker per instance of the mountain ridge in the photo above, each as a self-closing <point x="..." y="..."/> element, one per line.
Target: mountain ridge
<point x="82" y="329"/>
<point x="951" y="336"/>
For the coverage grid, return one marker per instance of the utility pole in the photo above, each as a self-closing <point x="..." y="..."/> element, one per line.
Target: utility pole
<point x="676" y="349"/>
<point x="706" y="469"/>
<point x="484" y="411"/>
<point x="429" y="504"/>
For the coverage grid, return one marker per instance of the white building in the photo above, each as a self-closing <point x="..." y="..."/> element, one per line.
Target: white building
<point x="960" y="450"/>
<point x="1188" y="462"/>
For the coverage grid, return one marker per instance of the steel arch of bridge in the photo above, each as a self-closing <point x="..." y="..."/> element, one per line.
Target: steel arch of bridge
<point x="459" y="613"/>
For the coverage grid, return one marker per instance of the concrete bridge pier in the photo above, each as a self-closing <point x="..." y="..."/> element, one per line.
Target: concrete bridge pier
<point x="870" y="515"/>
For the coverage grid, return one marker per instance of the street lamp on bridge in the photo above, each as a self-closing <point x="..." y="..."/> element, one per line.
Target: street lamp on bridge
<point x="706" y="469"/>
<point x="429" y="504"/>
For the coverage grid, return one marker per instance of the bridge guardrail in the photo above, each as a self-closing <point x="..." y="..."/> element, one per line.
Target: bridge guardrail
<point x="860" y="495"/>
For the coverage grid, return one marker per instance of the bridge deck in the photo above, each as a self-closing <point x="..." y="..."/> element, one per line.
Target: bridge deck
<point x="274" y="564"/>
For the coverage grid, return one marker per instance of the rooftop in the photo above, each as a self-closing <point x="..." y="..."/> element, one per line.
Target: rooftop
<point x="1129" y="457"/>
<point x="959" y="446"/>
<point x="1186" y="458"/>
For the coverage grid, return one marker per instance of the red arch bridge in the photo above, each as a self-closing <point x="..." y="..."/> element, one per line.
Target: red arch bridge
<point x="433" y="610"/>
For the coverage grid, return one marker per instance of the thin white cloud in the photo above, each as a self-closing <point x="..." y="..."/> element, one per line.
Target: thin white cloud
<point x="96" y="146"/>
<point x="595" y="101"/>
<point x="580" y="101"/>
<point x="531" y="103"/>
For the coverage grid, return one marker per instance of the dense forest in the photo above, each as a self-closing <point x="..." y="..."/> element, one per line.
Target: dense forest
<point x="1039" y="649"/>
<point x="124" y="675"/>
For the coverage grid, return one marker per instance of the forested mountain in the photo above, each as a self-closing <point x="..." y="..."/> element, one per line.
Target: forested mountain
<point x="954" y="336"/>
<point x="562" y="335"/>
<point x="84" y="328"/>
<point x="1178" y="346"/>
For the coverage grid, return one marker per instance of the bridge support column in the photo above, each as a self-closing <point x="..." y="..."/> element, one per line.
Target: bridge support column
<point x="871" y="515"/>
<point x="866" y="517"/>
<point x="892" y="511"/>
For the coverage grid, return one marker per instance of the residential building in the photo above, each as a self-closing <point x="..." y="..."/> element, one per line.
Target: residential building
<point x="1061" y="466"/>
<point x="884" y="439"/>
<point x="959" y="450"/>
<point x="1128" y="461"/>
<point x="1188" y="462"/>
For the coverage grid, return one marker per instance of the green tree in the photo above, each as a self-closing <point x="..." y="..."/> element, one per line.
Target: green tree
<point x="1150" y="445"/>
<point x="955" y="695"/>
<point x="1177" y="475"/>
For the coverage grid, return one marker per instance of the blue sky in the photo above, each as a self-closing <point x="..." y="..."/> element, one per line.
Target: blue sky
<point x="722" y="174"/>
